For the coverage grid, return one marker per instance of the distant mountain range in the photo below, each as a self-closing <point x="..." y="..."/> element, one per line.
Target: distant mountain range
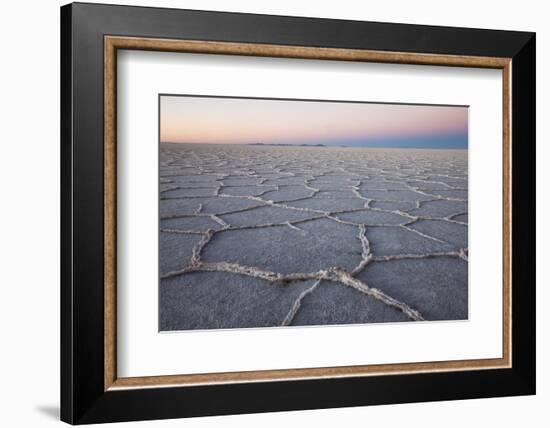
<point x="448" y="141"/>
<point x="286" y="145"/>
<point x="457" y="141"/>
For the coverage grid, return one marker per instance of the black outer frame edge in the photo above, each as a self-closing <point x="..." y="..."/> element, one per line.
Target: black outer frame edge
<point x="83" y="398"/>
<point x="300" y="31"/>
<point x="524" y="213"/>
<point x="66" y="306"/>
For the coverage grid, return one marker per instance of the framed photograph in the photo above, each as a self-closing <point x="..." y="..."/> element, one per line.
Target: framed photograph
<point x="265" y="213"/>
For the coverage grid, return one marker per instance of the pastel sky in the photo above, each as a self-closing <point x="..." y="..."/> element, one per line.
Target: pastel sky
<point x="216" y="120"/>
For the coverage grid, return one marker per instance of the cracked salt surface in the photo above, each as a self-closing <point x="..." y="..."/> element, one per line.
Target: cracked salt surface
<point x="257" y="236"/>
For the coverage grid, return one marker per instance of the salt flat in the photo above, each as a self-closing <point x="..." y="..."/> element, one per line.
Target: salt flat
<point x="263" y="236"/>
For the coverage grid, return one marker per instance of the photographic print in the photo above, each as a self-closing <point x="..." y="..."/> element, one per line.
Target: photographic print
<point x="283" y="212"/>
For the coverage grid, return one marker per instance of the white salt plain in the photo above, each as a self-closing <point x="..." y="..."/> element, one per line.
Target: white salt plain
<point x="264" y="236"/>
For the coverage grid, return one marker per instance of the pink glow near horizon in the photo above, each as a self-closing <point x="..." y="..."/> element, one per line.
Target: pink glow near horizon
<point x="243" y="121"/>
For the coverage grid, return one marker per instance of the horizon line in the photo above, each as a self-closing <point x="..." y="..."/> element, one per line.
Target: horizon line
<point x="318" y="146"/>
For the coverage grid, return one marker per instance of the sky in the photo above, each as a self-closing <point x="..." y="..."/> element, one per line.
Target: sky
<point x="217" y="120"/>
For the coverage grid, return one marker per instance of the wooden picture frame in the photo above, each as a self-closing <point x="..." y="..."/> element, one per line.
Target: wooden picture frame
<point x="91" y="390"/>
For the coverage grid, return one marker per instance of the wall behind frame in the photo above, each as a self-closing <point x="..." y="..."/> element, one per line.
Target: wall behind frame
<point x="29" y="220"/>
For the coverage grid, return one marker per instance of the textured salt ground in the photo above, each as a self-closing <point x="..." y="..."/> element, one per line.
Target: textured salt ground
<point x="317" y="245"/>
<point x="333" y="304"/>
<point x="270" y="236"/>
<point x="393" y="206"/>
<point x="287" y="193"/>
<point x="191" y="223"/>
<point x="394" y="241"/>
<point x="193" y="182"/>
<point x="440" y="208"/>
<point x="264" y="215"/>
<point x="372" y="218"/>
<point x="336" y="194"/>
<point x="327" y="204"/>
<point x="219" y="300"/>
<point x="200" y="191"/>
<point x="246" y="190"/>
<point x="395" y="195"/>
<point x="245" y="181"/>
<point x="220" y="205"/>
<point x="175" y="251"/>
<point x="461" y="217"/>
<point x="372" y="185"/>
<point x="174" y="207"/>
<point x="454" y="234"/>
<point x="436" y="287"/>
